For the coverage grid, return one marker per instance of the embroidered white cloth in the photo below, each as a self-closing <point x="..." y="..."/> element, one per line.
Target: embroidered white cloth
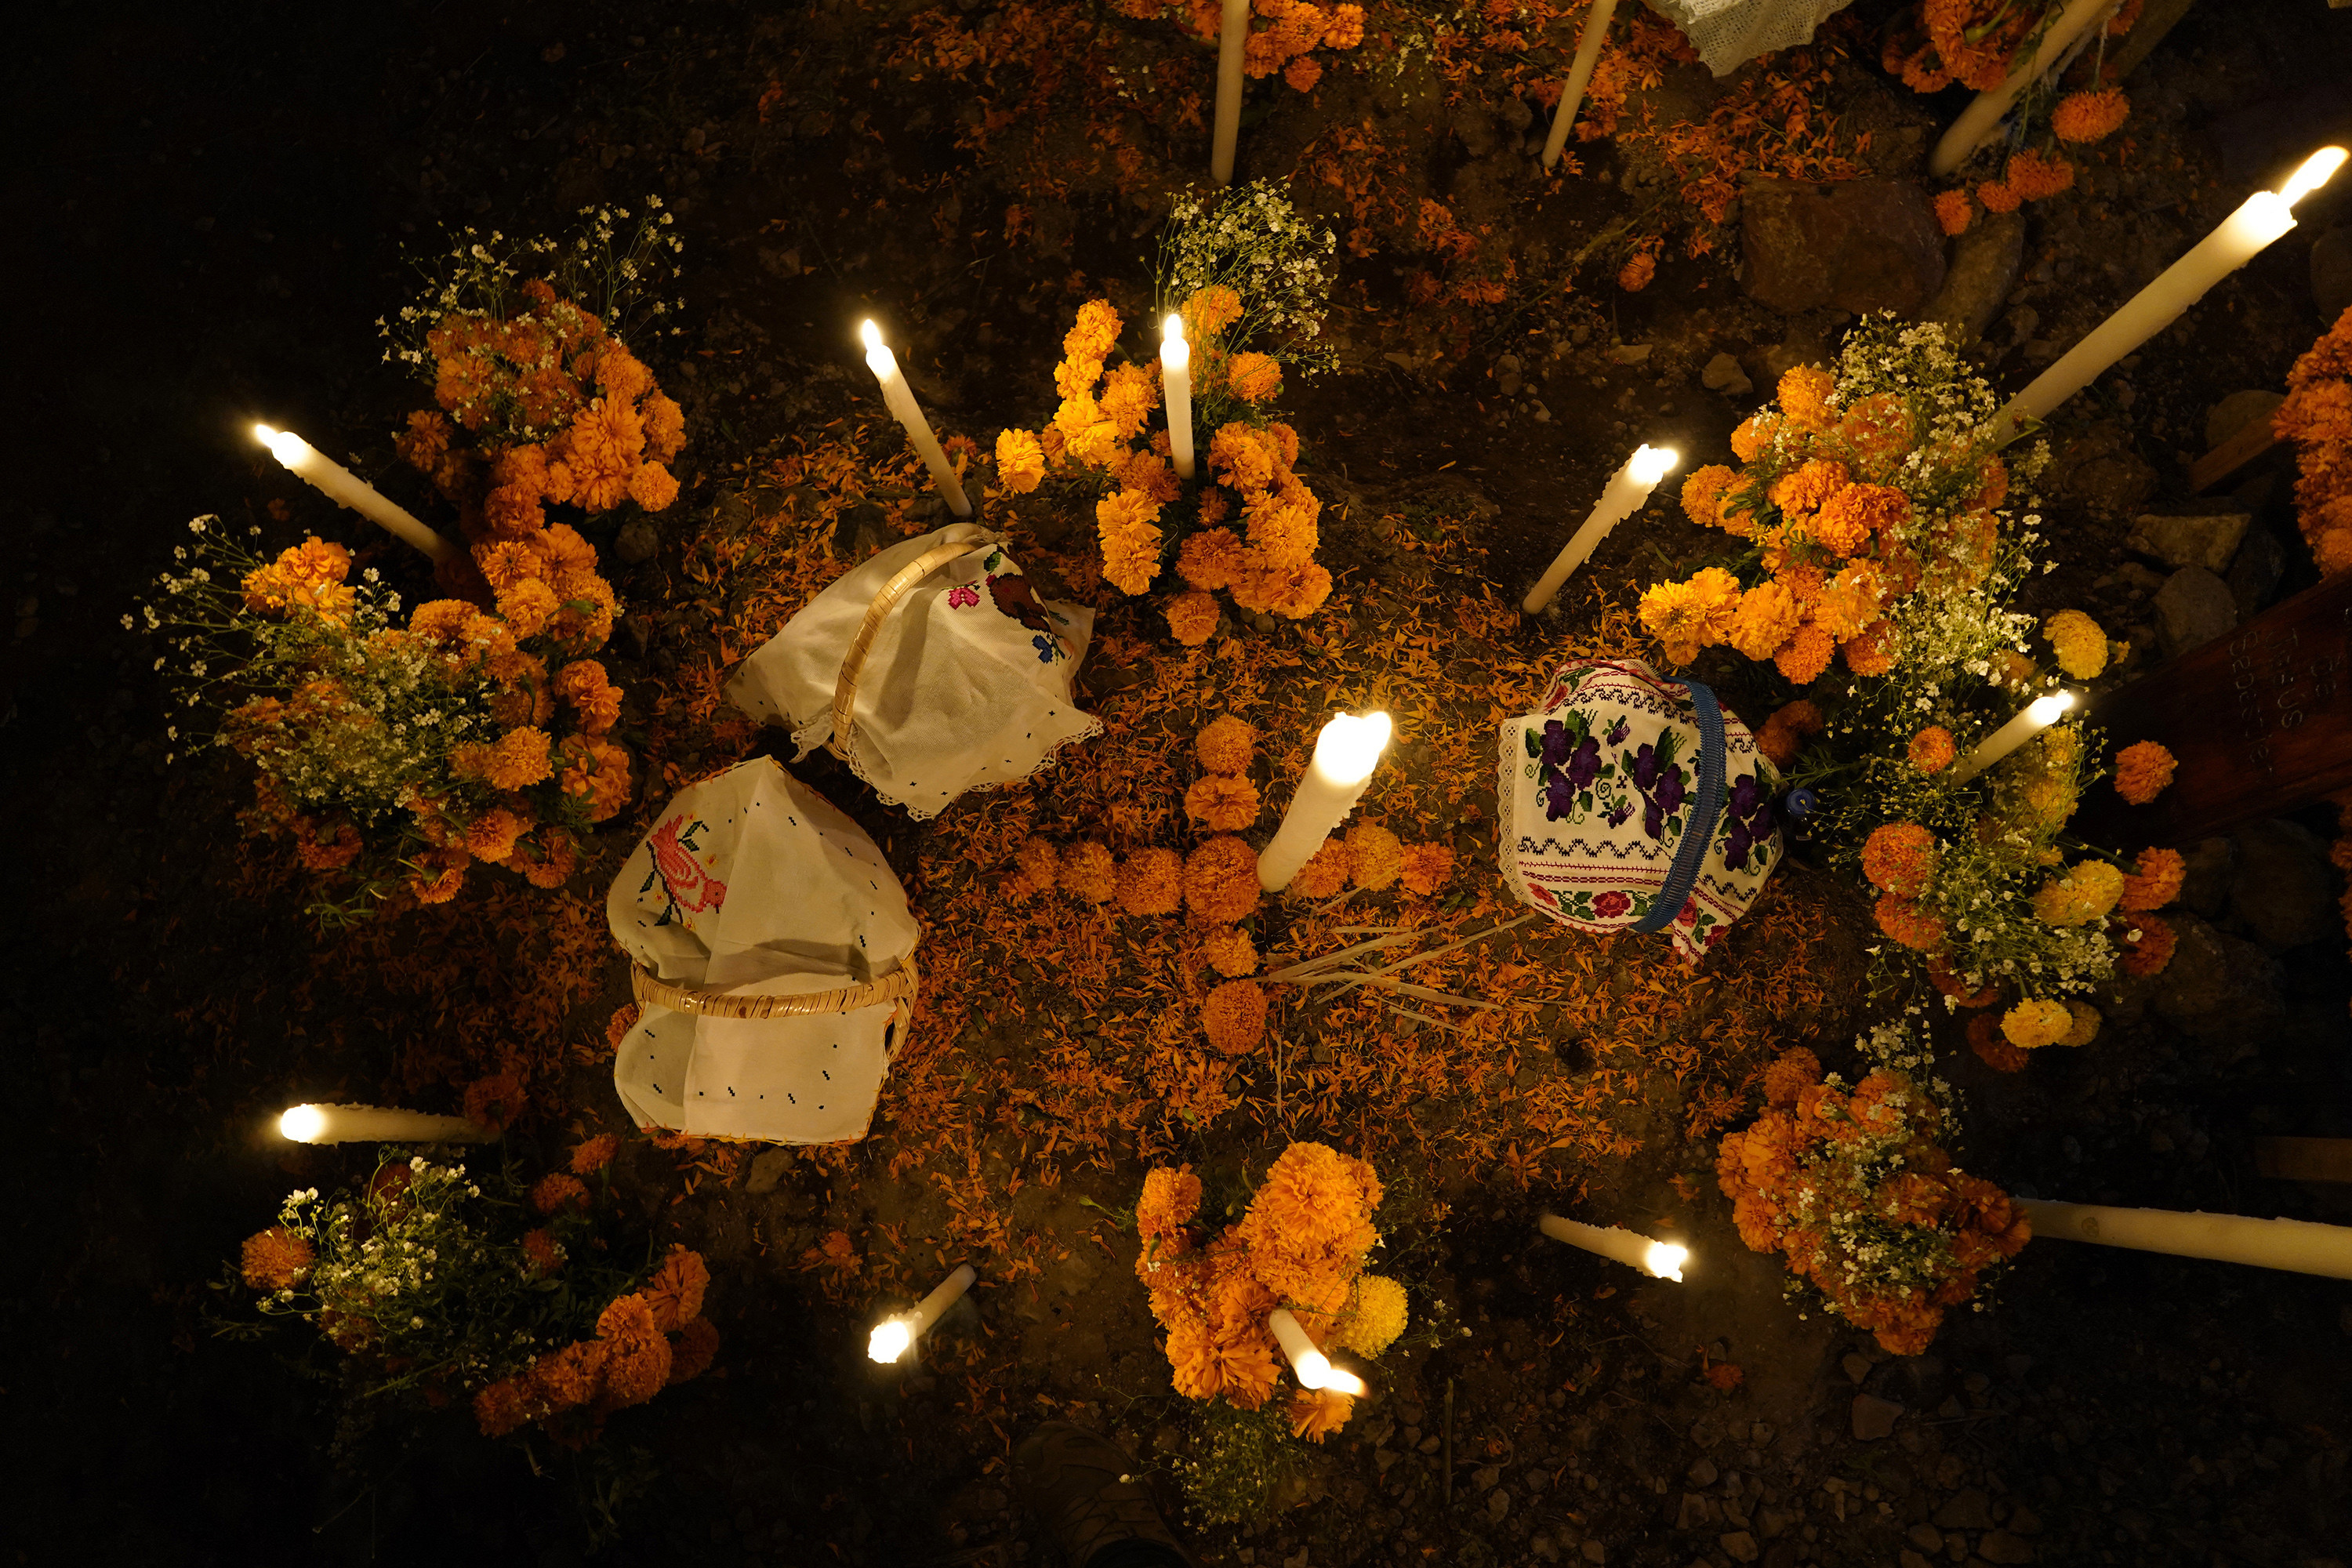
<point x="753" y="883"/>
<point x="967" y="686"/>
<point x="1729" y="33"/>
<point x="1602" y="789"/>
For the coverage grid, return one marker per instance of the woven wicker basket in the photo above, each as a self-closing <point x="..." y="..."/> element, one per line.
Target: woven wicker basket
<point x="898" y="987"/>
<point x="961" y="538"/>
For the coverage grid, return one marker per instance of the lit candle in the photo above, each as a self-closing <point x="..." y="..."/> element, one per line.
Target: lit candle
<point x="1345" y="752"/>
<point x="900" y="399"/>
<point x="369" y="1124"/>
<point x="2038" y="715"/>
<point x="1309" y="1365"/>
<point x="1176" y="378"/>
<point x="895" y="1333"/>
<point x="1977" y="121"/>
<point x="1659" y="1259"/>
<point x="343" y="487"/>
<point x="1232" y="39"/>
<point x="1626" y="492"/>
<point x="2297" y="1246"/>
<point x="1580" y="76"/>
<point x="2263" y="218"/>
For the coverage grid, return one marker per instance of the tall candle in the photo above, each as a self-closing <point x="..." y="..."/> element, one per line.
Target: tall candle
<point x="900" y="399"/>
<point x="343" y="487"/>
<point x="1977" y="121"/>
<point x="1580" y="76"/>
<point x="1624" y="494"/>
<point x="2038" y="715"/>
<point x="1309" y="1365"/>
<point x="1232" y="39"/>
<point x="1659" y="1259"/>
<point x="2297" y="1246"/>
<point x="370" y="1124"/>
<point x="1176" y="383"/>
<point x="2263" y="218"/>
<point x="1345" y="752"/>
<point x="895" y="1333"/>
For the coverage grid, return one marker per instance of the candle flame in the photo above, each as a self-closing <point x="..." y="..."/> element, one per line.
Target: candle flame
<point x="1314" y="1370"/>
<point x="264" y="434"/>
<point x="1651" y="464"/>
<point x="1347" y="1383"/>
<point x="302" y="1124"/>
<point x="2044" y="710"/>
<point x="1665" y="1260"/>
<point x="1349" y="747"/>
<point x="870" y="335"/>
<point x="2315" y="172"/>
<point x="284" y="445"/>
<point x="890" y="1338"/>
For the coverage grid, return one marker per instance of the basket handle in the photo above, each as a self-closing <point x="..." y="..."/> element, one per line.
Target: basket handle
<point x="958" y="540"/>
<point x="900" y="985"/>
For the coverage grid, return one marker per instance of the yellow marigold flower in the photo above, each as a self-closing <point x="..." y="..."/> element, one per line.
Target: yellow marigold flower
<point x="1427" y="867"/>
<point x="1932" y="749"/>
<point x="1765" y="619"/>
<point x="1702" y="494"/>
<point x="1376" y="1315"/>
<point x="1151" y="882"/>
<point x="1087" y="872"/>
<point x="1226" y="745"/>
<point x="1221" y="881"/>
<point x="2033" y="1023"/>
<point x="2085" y="893"/>
<point x="2156" y="880"/>
<point x="1224" y="803"/>
<point x="1253" y="377"/>
<point x="1211" y="559"/>
<point x="2080" y="647"/>
<point x="1233" y="1017"/>
<point x="1020" y="461"/>
<point x="1193" y="617"/>
<point x="1804" y="396"/>
<point x="274" y="1260"/>
<point x="1375" y="857"/>
<point x="1900" y="858"/>
<point x="1130" y="544"/>
<point x="1075" y="378"/>
<point x="2086" y="1025"/>
<point x="1229" y="952"/>
<point x="1325" y="873"/>
<point x="2142" y="770"/>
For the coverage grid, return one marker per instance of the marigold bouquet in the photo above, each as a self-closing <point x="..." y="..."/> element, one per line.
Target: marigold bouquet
<point x="1853" y="1185"/>
<point x="510" y="1298"/>
<point x="1293" y="28"/>
<point x="2317" y="417"/>
<point x="1301" y="1244"/>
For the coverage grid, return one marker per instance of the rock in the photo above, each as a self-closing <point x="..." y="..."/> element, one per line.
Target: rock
<point x="2209" y="866"/>
<point x="1874" y="1417"/>
<point x="637" y="541"/>
<point x="1723" y="374"/>
<point x="1926" y="1538"/>
<point x="1774" y="1522"/>
<point x="1703" y="1473"/>
<point x="2024" y="1521"/>
<point x="2256" y="573"/>
<point x="1910" y="1558"/>
<point x="2331" y="272"/>
<point x="2001" y="1546"/>
<point x="1498" y="1503"/>
<point x="1629" y="354"/>
<point x="1970" y="1509"/>
<point x="2237" y="411"/>
<point x="1739" y="1546"/>
<point x="1859" y="245"/>
<point x="1984" y="266"/>
<point x="1856" y="1366"/>
<point x="1507" y="383"/>
<point x="1595" y="1553"/>
<point x="1697" y="1512"/>
<point x="2282" y="892"/>
<point x="2209" y="542"/>
<point x="2192" y="608"/>
<point x="2217" y="988"/>
<point x="768" y="1171"/>
<point x="2104" y="474"/>
<point x="1474" y="123"/>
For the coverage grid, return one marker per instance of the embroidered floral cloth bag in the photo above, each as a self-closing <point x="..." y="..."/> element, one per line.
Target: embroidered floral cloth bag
<point x="1635" y="803"/>
<point x="774" y="962"/>
<point x="931" y="669"/>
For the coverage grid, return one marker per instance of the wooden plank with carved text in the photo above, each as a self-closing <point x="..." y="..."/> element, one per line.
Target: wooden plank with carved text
<point x="2260" y="719"/>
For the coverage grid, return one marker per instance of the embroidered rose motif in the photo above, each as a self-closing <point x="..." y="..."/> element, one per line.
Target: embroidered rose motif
<point x="1608" y="906"/>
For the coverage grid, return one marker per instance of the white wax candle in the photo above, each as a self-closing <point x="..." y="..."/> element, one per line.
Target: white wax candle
<point x="1309" y="1365"/>
<point x="1978" y="120"/>
<point x="900" y="399"/>
<point x="1345" y="752"/>
<point x="1659" y="1259"/>
<point x="370" y="1124"/>
<point x="2262" y="218"/>
<point x="895" y="1333"/>
<point x="1176" y="391"/>
<point x="1628" y="488"/>
<point x="2297" y="1246"/>
<point x="2038" y="715"/>
<point x="343" y="487"/>
<point x="1232" y="39"/>
<point x="1580" y="76"/>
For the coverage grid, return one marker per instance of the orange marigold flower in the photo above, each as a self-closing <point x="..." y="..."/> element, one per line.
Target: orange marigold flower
<point x="2142" y="770"/>
<point x="1325" y="873"/>
<point x="617" y="1028"/>
<point x="1253" y="377"/>
<point x="1754" y="433"/>
<point x="1229" y="951"/>
<point x="1316" y="1413"/>
<point x="692" y="1352"/>
<point x="597" y="1152"/>
<point x="653" y="487"/>
<point x="1807" y="653"/>
<point x="1635" y="275"/>
<point x="545" y="1255"/>
<point x="1226" y="745"/>
<point x="567" y="1378"/>
<point x="1702" y="494"/>
<point x="637" y="1364"/>
<point x="1997" y="197"/>
<point x="1812" y="482"/>
<point x="1212" y="311"/>
<point x="528" y="607"/>
<point x="2155" y="881"/>
<point x="1804" y="394"/>
<point x="1872" y="652"/>
<point x="501" y="1407"/>
<point x="1038" y="867"/>
<point x="1233" y="1017"/>
<point x="1170" y="1200"/>
<point x="2036" y="176"/>
<point x="1130" y="544"/>
<point x="1302" y="74"/>
<point x="425" y="439"/>
<point x="1093" y="333"/>
<point x="547" y="858"/>
<point x="675" y="1291"/>
<point x="274" y="1260"/>
<point x="1193" y="617"/>
<point x="1221" y="881"/>
<point x="555" y="1191"/>
<point x="1375" y="857"/>
<point x="596" y="771"/>
<point x="1345" y="29"/>
<point x="583" y="685"/>
<point x="492" y="835"/>
<point x="1242" y="455"/>
<point x="2033" y="1023"/>
<point x="665" y="424"/>
<point x="1900" y="858"/>
<point x="1211" y="559"/>
<point x="519" y="759"/>
<point x="1224" y="803"/>
<point x="440" y="874"/>
<point x="505" y="563"/>
<point x="1908" y="923"/>
<point x="1853" y="513"/>
<point x="1020" y="461"/>
<point x="1151" y="882"/>
<point x="1954" y="212"/>
<point x="1932" y="750"/>
<point x="1765" y="619"/>
<point x="327" y="845"/>
<point x="2147" y="944"/>
<point x="1087" y="872"/>
<point x="1427" y="867"/>
<point x="1785" y="732"/>
<point x="1793" y="1072"/>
